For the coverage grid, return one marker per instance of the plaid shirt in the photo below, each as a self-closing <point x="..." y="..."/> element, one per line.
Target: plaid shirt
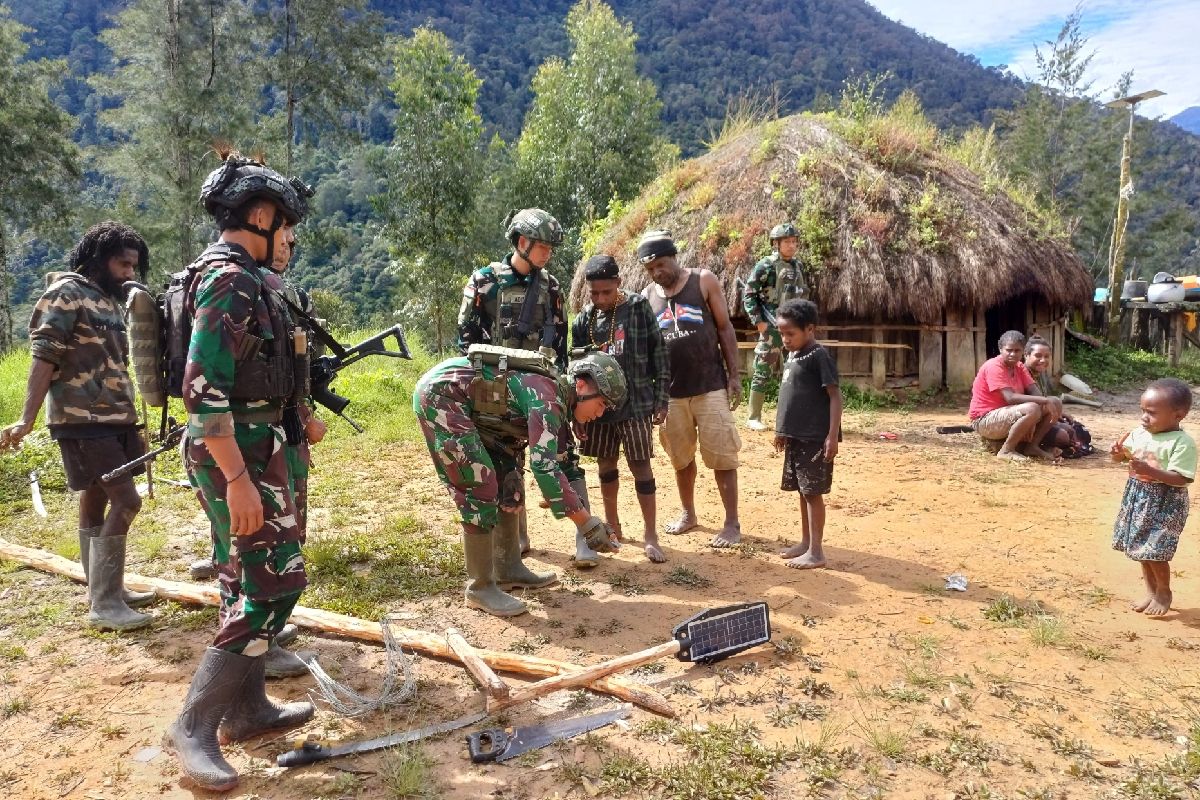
<point x="638" y="346"/>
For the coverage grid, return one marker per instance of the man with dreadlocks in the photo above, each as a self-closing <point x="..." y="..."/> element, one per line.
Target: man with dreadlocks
<point x="80" y="356"/>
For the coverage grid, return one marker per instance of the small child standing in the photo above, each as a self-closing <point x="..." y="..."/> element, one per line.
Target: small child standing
<point x="808" y="426"/>
<point x="1162" y="462"/>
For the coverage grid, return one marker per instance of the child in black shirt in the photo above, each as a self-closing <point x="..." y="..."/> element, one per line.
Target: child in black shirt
<point x="808" y="426"/>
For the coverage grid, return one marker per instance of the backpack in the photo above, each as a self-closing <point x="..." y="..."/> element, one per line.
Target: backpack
<point x="490" y="397"/>
<point x="1081" y="442"/>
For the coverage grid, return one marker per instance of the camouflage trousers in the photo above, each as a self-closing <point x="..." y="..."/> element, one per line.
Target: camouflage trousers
<point x="768" y="359"/>
<point x="299" y="459"/>
<point x="463" y="463"/>
<point x="261" y="575"/>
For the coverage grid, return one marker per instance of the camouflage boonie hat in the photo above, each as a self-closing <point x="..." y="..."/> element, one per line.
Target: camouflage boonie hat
<point x="239" y="180"/>
<point x="784" y="231"/>
<point x="535" y="224"/>
<point x="605" y="371"/>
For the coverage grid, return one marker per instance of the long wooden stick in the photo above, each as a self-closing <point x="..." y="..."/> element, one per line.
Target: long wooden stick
<point x="354" y="628"/>
<point x="481" y="672"/>
<point x="585" y="675"/>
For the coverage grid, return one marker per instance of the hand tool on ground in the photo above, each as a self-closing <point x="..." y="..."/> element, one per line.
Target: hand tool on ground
<point x="501" y="744"/>
<point x="36" y="489"/>
<point x="706" y="637"/>
<point x="955" y="429"/>
<point x="308" y="751"/>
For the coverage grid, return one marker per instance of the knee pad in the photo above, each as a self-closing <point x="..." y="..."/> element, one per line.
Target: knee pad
<point x="645" y="487"/>
<point x="610" y="476"/>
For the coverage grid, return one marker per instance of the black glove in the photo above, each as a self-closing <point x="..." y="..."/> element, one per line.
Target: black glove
<point x="512" y="489"/>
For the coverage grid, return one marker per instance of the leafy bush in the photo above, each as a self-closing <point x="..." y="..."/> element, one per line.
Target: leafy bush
<point x="1113" y="368"/>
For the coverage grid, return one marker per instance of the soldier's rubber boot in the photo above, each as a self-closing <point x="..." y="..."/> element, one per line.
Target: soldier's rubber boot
<point x="251" y="712"/>
<point x="523" y="530"/>
<point x="756" y="404"/>
<point x="511" y="572"/>
<point x="202" y="569"/>
<point x="287" y="634"/>
<point x="132" y="599"/>
<point x="482" y="592"/>
<point x="192" y="737"/>
<point x="585" y="557"/>
<point x="106" y="573"/>
<point x="280" y="662"/>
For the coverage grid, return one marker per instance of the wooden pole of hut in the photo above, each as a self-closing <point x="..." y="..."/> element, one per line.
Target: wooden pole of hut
<point x="1116" y="249"/>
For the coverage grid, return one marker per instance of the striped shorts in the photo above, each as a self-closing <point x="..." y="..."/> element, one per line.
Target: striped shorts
<point x="604" y="439"/>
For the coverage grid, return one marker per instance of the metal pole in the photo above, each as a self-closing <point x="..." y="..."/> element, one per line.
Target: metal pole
<point x="1116" y="251"/>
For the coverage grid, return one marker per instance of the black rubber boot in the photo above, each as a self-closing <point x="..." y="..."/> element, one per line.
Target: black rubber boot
<point x="282" y="663"/>
<point x="511" y="572"/>
<point x="251" y="712"/>
<point x="105" y="582"/>
<point x="132" y="599"/>
<point x="202" y="569"/>
<point x="288" y="634"/>
<point x="193" y="736"/>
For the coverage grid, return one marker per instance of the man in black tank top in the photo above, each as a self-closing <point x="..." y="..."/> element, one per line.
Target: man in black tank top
<point x="705" y="382"/>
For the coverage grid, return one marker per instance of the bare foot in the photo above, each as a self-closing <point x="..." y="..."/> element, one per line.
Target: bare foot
<point x="1039" y="453"/>
<point x="1159" y="605"/>
<point x="654" y="553"/>
<point x="795" y="550"/>
<point x="684" y="524"/>
<point x="728" y="536"/>
<point x="616" y="529"/>
<point x="1141" y="605"/>
<point x="807" y="561"/>
<point x="1011" y="455"/>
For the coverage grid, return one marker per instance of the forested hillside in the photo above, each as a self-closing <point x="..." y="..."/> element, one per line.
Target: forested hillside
<point x="701" y="57"/>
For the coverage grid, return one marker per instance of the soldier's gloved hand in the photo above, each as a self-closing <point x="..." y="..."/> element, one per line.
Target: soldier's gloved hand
<point x="512" y="490"/>
<point x="599" y="535"/>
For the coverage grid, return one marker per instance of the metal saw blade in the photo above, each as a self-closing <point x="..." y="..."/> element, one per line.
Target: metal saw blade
<point x="522" y="740"/>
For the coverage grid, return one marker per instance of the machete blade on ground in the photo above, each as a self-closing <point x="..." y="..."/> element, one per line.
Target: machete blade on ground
<point x="501" y="744"/>
<point x="309" y="752"/>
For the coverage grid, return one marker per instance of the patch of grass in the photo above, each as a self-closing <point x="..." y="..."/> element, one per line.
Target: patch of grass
<point x="1047" y="631"/>
<point x="176" y="615"/>
<point x="701" y="197"/>
<point x="528" y="645"/>
<point x="1111" y="368"/>
<point x="626" y="584"/>
<point x="13" y="706"/>
<point x="686" y="576"/>
<point x="1097" y="596"/>
<point x="653" y="668"/>
<point x="886" y="742"/>
<point x="624" y="773"/>
<point x="1006" y="611"/>
<point x="11" y="652"/>
<point x="68" y="719"/>
<point x="406" y="773"/>
<point x="900" y="694"/>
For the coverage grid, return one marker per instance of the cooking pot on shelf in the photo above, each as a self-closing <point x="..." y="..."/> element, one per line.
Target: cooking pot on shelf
<point x="1172" y="292"/>
<point x="1133" y="290"/>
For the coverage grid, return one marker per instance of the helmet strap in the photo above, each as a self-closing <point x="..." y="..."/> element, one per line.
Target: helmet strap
<point x="268" y="234"/>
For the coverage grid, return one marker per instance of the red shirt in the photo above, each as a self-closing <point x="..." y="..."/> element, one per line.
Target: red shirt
<point x="993" y="377"/>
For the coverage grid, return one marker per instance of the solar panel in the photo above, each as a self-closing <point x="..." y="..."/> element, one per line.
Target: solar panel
<point x="721" y="632"/>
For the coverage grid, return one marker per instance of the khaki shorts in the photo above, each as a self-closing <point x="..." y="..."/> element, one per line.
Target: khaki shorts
<point x="706" y="418"/>
<point x="999" y="421"/>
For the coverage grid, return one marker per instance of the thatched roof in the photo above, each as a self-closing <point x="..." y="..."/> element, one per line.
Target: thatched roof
<point x="907" y="240"/>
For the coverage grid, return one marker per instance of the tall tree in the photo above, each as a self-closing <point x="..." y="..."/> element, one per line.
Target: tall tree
<point x="325" y="67"/>
<point x="40" y="169"/>
<point x="431" y="171"/>
<point x="187" y="76"/>
<point x="593" y="132"/>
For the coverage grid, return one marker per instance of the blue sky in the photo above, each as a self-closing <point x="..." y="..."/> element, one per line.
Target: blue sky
<point x="1158" y="39"/>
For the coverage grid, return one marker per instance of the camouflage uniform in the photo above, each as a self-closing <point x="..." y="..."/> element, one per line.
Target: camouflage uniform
<point x="489" y="314"/>
<point x="772" y="282"/>
<point x="261" y="575"/>
<point x="471" y="455"/>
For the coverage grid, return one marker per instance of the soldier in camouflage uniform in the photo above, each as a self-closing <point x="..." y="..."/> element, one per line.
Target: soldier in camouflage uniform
<point x="240" y="373"/>
<point x="476" y="447"/>
<point x="80" y="357"/>
<point x="773" y="281"/>
<point x="517" y="303"/>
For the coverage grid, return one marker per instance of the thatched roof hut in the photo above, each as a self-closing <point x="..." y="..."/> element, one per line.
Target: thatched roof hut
<point x="903" y="245"/>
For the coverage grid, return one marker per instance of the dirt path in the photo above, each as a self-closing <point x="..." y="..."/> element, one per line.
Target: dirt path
<point x="922" y="696"/>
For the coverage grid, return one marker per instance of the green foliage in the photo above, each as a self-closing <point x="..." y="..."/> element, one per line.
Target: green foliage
<point x="744" y="113"/>
<point x="595" y="230"/>
<point x="430" y="173"/>
<point x="593" y="130"/>
<point x="333" y="308"/>
<point x="817" y="228"/>
<point x="1112" y="368"/>
<point x="926" y="219"/>
<point x="406" y="773"/>
<point x="41" y="168"/>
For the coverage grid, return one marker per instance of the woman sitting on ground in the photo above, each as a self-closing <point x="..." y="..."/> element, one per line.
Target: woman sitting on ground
<point x="1064" y="435"/>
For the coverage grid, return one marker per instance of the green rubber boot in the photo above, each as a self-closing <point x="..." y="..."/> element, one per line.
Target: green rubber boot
<point x="106" y="573"/>
<point x="511" y="572"/>
<point x="132" y="599"/>
<point x="756" y="404"/>
<point x="482" y="592"/>
<point x="585" y="557"/>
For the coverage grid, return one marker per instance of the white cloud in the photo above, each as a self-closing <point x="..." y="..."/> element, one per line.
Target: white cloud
<point x="1157" y="39"/>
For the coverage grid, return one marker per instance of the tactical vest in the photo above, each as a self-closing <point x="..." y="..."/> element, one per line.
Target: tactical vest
<point x="266" y="366"/>
<point x="514" y="327"/>
<point x="489" y="397"/>
<point x="789" y="281"/>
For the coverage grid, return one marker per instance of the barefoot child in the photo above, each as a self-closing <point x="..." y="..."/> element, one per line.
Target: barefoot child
<point x="1162" y="462"/>
<point x="808" y="426"/>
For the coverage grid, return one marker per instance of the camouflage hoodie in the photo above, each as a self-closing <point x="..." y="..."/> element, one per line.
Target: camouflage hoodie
<point x="81" y="331"/>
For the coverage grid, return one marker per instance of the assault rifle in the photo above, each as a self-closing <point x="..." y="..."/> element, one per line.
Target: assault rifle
<point x="321" y="373"/>
<point x="768" y="315"/>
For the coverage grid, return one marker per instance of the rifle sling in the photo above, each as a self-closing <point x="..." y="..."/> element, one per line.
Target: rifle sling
<point x="325" y="337"/>
<point x="527" y="306"/>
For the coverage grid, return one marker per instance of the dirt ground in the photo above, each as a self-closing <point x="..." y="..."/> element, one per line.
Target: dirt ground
<point x="922" y="695"/>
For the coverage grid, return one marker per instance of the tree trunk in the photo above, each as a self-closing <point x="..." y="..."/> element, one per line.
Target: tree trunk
<point x="6" y="317"/>
<point x="291" y="83"/>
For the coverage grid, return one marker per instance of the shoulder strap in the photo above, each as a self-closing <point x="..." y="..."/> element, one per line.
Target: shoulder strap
<point x="531" y="291"/>
<point x="324" y="336"/>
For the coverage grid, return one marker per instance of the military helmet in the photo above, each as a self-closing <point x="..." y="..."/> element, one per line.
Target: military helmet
<point x="783" y="231"/>
<point x="605" y="371"/>
<point x="535" y="224"/>
<point x="240" y="180"/>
